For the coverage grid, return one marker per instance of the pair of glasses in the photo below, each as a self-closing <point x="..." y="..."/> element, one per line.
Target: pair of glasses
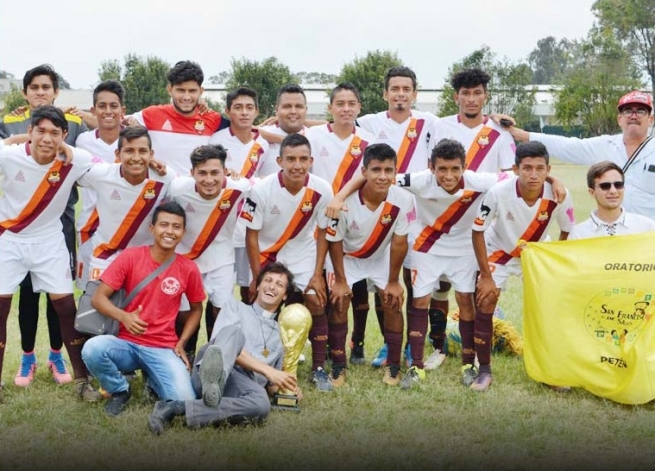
<point x="605" y="186"/>
<point x="641" y="112"/>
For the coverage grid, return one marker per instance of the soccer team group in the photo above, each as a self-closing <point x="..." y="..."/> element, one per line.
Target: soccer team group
<point x="318" y="213"/>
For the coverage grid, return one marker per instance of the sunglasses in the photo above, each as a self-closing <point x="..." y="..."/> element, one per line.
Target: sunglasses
<point x="605" y="186"/>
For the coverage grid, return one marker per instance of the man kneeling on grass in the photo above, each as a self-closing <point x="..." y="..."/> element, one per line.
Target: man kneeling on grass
<point x="146" y="338"/>
<point x="240" y="367"/>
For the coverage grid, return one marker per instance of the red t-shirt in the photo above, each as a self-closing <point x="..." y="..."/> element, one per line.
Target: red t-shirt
<point x="160" y="299"/>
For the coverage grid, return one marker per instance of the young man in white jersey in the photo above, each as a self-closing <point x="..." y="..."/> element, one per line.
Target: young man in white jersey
<point x="489" y="148"/>
<point x="512" y="213"/>
<point x="245" y="149"/>
<point x="369" y="242"/>
<point x="282" y="213"/>
<point x="291" y="112"/>
<point x="36" y="189"/>
<point x="109" y="109"/>
<point x="605" y="183"/>
<point x="339" y="147"/>
<point x="213" y="203"/>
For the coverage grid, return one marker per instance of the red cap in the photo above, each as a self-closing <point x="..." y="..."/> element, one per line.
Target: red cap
<point x="636" y="98"/>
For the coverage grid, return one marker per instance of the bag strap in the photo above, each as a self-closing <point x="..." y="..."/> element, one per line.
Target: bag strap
<point x="636" y="153"/>
<point x="148" y="279"/>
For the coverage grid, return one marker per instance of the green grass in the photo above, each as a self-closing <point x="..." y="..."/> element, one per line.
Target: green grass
<point x="517" y="424"/>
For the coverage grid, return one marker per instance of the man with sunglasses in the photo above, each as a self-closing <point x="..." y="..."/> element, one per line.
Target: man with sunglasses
<point x="635" y="118"/>
<point x="605" y="185"/>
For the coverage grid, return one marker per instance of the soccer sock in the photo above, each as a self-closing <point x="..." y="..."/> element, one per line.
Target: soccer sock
<point x="360" y="311"/>
<point x="395" y="344"/>
<point x="5" y="307"/>
<point x="54" y="327"/>
<point x="74" y="341"/>
<point x="28" y="314"/>
<point x="318" y="335"/>
<point x="466" y="331"/>
<point x="438" y="322"/>
<point x="379" y="312"/>
<point x="417" y="325"/>
<point x="337" y="334"/>
<point x="482" y="337"/>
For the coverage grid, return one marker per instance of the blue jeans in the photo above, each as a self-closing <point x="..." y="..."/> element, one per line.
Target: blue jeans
<point x="107" y="357"/>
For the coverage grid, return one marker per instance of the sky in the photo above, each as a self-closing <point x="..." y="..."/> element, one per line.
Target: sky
<point x="76" y="36"/>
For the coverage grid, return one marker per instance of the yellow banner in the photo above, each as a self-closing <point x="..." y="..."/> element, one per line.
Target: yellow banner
<point x="587" y="317"/>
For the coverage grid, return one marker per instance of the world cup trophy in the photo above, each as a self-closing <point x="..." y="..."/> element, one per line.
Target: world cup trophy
<point x="295" y="320"/>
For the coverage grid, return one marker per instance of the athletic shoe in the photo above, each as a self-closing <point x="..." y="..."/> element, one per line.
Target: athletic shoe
<point x="25" y="374"/>
<point x="391" y="375"/>
<point x="85" y="391"/>
<point x="57" y="366"/>
<point x="482" y="382"/>
<point x="380" y="358"/>
<point x="408" y="355"/>
<point x="435" y="360"/>
<point x="469" y="373"/>
<point x="412" y="378"/>
<point x="163" y="414"/>
<point x="357" y="353"/>
<point x="321" y="380"/>
<point x="338" y="376"/>
<point x="117" y="403"/>
<point x="212" y="376"/>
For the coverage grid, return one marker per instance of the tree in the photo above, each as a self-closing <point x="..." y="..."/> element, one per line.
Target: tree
<point x="13" y="99"/>
<point x="508" y="90"/>
<point x="591" y="89"/>
<point x="320" y="78"/>
<point x="266" y="77"/>
<point x="144" y="79"/>
<point x="220" y="78"/>
<point x="633" y="22"/>
<point x="367" y="74"/>
<point x="550" y="59"/>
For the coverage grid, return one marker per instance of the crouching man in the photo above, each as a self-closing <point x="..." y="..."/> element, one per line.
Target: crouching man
<point x="240" y="367"/>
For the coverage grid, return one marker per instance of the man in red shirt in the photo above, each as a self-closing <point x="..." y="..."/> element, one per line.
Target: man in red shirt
<point x="146" y="338"/>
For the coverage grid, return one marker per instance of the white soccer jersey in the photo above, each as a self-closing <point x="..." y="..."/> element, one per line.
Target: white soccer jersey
<point x="511" y="222"/>
<point x="210" y="223"/>
<point x="174" y="136"/>
<point x="286" y="222"/>
<point x="627" y="223"/>
<point x="124" y="210"/>
<point x="409" y="139"/>
<point x="34" y="196"/>
<point x="269" y="163"/>
<point x="366" y="233"/>
<point x="444" y="220"/>
<point x="489" y="148"/>
<point x="337" y="160"/>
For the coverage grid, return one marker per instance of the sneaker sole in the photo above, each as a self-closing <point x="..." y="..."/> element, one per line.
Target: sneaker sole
<point x="481" y="386"/>
<point x="211" y="375"/>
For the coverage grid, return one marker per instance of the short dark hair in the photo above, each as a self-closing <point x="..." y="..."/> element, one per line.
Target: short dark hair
<point x="469" y="78"/>
<point x="344" y="86"/>
<point x="133" y="132"/>
<point x="295" y="140"/>
<point x="599" y="169"/>
<point x="380" y="152"/>
<point x="52" y="113"/>
<point x="448" y="149"/>
<point x="170" y="207"/>
<point x="531" y="149"/>
<point x="185" y="71"/>
<point x="241" y="91"/>
<point x="290" y="88"/>
<point x="399" y="71"/>
<point x="202" y="154"/>
<point x="111" y="86"/>
<point x="43" y="69"/>
<point x="277" y="267"/>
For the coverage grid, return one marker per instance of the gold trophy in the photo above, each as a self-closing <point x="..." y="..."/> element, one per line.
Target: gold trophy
<point x="295" y="320"/>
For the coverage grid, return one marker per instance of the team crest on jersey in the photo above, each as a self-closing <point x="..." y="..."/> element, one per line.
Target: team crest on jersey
<point x="465" y="199"/>
<point x="355" y="151"/>
<point x="149" y="194"/>
<point x="306" y="207"/>
<point x="483" y="141"/>
<point x="543" y="216"/>
<point x="54" y="178"/>
<point x="225" y="205"/>
<point x="199" y="126"/>
<point x="411" y="133"/>
<point x="386" y="219"/>
<point x="254" y="157"/>
<point x="170" y="285"/>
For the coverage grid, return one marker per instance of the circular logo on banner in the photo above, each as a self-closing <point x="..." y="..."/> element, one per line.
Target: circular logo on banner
<point x="614" y="315"/>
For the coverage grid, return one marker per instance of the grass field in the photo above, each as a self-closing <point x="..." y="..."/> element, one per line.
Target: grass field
<point x="518" y="424"/>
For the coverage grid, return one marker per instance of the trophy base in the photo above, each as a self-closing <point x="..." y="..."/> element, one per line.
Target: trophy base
<point x="285" y="402"/>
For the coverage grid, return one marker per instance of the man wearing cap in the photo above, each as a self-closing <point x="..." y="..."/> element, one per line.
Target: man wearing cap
<point x="632" y="150"/>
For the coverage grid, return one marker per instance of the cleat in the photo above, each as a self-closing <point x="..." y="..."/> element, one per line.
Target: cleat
<point x="412" y="378"/>
<point x="380" y="358"/>
<point x="435" y="360"/>
<point x="212" y="376"/>
<point x="321" y="380"/>
<point x="391" y="375"/>
<point x="338" y="376"/>
<point x="357" y="354"/>
<point x="482" y="382"/>
<point x="57" y="366"/>
<point x="25" y="374"/>
<point x="117" y="403"/>
<point x="469" y="373"/>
